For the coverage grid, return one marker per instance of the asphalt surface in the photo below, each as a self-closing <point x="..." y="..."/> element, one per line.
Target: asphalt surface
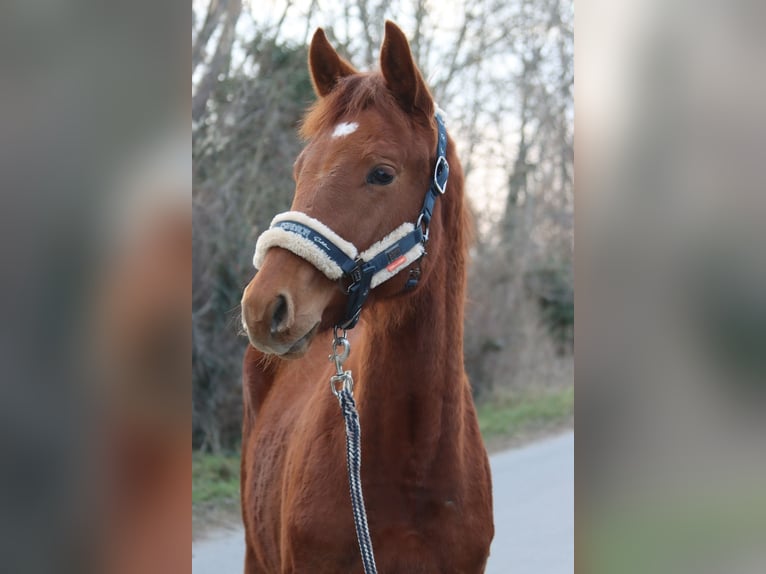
<point x="533" y="490"/>
<point x="534" y="516"/>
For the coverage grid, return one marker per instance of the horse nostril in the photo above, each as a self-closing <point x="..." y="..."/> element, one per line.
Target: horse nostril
<point x="278" y="315"/>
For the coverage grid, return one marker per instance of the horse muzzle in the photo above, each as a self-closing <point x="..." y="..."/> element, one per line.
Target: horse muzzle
<point x="282" y="307"/>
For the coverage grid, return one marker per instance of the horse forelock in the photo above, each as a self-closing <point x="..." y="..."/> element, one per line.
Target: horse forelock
<point x="352" y="95"/>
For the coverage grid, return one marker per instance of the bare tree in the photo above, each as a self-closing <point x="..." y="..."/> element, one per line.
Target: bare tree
<point x="223" y="14"/>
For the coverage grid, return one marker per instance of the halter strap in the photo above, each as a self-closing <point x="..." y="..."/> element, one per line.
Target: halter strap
<point x="337" y="258"/>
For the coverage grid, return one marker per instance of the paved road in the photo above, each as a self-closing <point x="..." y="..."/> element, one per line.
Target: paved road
<point x="534" y="509"/>
<point x="534" y="516"/>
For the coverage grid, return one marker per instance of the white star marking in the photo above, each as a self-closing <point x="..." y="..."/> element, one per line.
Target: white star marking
<point x="344" y="129"/>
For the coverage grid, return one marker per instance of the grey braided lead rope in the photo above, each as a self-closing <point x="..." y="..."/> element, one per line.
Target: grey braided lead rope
<point x="342" y="385"/>
<point x="354" y="462"/>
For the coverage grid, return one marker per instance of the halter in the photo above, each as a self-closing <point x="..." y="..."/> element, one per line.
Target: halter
<point x="339" y="259"/>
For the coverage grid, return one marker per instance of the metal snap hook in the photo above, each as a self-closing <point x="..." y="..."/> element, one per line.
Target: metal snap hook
<point x="424" y="227"/>
<point x="339" y="342"/>
<point x="341" y="382"/>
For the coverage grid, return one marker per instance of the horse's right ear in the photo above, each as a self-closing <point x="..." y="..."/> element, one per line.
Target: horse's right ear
<point x="401" y="73"/>
<point x="325" y="65"/>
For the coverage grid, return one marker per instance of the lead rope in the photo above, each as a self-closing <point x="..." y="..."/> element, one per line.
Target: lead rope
<point x="342" y="385"/>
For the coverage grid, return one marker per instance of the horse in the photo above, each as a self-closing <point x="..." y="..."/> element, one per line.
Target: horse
<point x="368" y="161"/>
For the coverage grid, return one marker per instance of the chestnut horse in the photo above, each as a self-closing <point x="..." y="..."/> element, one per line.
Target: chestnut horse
<point x="368" y="163"/>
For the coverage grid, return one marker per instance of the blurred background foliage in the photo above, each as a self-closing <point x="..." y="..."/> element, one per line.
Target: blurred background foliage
<point x="503" y="72"/>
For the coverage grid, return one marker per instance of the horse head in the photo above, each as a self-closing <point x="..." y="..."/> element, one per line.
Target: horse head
<point x="368" y="161"/>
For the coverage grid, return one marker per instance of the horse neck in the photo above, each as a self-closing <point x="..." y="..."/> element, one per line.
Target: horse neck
<point x="412" y="385"/>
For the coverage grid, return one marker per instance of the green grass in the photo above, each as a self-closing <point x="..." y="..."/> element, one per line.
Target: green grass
<point x="526" y="411"/>
<point x="215" y="478"/>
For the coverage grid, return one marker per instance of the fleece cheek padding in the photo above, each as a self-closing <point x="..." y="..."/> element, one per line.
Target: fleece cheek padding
<point x="397" y="265"/>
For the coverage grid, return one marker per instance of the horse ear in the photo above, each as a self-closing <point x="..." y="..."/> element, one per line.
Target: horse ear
<point x="325" y="65"/>
<point x="401" y="74"/>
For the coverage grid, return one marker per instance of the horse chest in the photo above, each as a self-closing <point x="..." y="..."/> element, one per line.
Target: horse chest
<point x="410" y="526"/>
<point x="307" y="511"/>
<point x="319" y="535"/>
<point x="300" y="510"/>
<point x="322" y="539"/>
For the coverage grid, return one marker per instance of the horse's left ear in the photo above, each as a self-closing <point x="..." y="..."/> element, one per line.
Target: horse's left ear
<point x="401" y="74"/>
<point x="325" y="65"/>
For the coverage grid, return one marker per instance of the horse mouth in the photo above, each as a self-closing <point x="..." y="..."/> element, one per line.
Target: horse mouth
<point x="298" y="349"/>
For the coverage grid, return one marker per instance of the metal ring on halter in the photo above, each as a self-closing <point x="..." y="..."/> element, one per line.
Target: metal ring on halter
<point x="440" y="163"/>
<point x="335" y="336"/>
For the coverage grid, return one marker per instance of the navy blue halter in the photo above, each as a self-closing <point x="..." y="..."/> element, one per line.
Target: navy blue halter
<point x="360" y="272"/>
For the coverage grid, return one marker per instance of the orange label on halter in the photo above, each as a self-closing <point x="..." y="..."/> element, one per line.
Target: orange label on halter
<point x="396" y="263"/>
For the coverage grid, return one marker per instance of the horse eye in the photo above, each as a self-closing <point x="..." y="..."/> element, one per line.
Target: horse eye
<point x="381" y="175"/>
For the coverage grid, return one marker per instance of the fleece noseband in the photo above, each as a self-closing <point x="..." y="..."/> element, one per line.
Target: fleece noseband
<point x="339" y="259"/>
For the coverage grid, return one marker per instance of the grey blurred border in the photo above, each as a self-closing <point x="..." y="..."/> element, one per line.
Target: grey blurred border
<point x="671" y="287"/>
<point x="83" y="85"/>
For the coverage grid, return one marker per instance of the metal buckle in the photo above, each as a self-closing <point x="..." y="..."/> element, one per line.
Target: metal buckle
<point x="393" y="253"/>
<point x="424" y="227"/>
<point x="441" y="162"/>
